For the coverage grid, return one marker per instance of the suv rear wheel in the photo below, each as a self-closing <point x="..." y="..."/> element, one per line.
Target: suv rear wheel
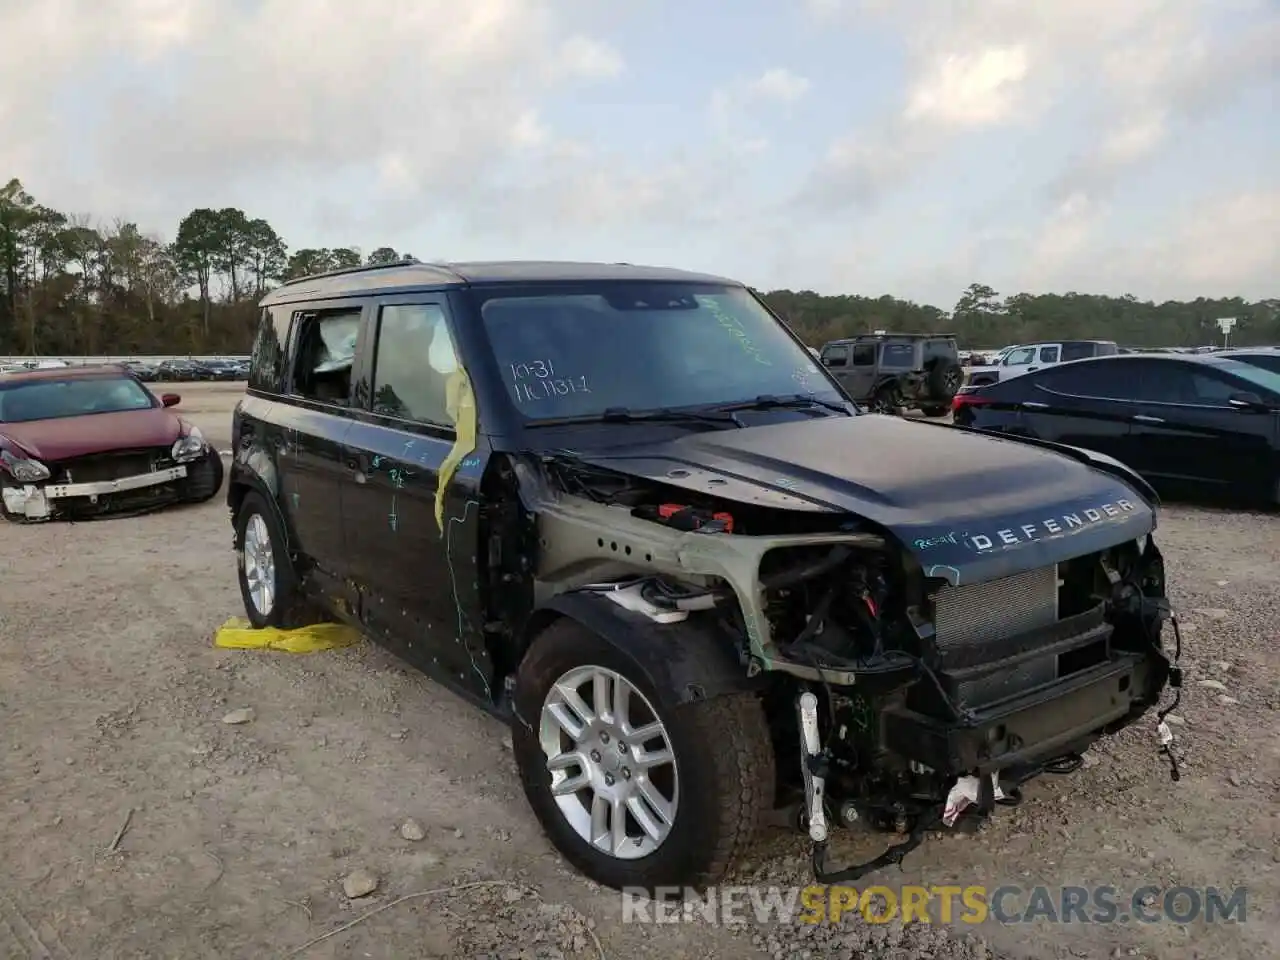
<point x="632" y="794"/>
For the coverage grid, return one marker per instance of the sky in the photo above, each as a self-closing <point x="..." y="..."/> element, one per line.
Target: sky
<point x="907" y="147"/>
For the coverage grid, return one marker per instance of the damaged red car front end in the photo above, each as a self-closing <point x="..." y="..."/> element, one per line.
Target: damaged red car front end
<point x="77" y="444"/>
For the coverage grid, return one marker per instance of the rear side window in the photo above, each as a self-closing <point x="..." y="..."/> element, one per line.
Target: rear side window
<point x="898" y="355"/>
<point x="267" y="366"/>
<point x="864" y="355"/>
<point x="1081" y="351"/>
<point x="414" y="362"/>
<point x="326" y="348"/>
<point x="1048" y="354"/>
<point x="1108" y="380"/>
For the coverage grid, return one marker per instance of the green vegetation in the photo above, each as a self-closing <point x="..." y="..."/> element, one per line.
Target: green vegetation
<point x="67" y="287"/>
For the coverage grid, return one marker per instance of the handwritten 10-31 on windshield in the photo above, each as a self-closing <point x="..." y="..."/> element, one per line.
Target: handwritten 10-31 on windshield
<point x="537" y="380"/>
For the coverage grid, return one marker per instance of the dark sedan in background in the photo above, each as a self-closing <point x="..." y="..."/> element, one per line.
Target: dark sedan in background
<point x="1189" y="424"/>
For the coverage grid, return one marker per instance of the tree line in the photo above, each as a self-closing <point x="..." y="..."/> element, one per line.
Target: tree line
<point x="71" y="286"/>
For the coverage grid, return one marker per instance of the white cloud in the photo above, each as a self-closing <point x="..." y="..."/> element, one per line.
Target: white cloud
<point x="734" y="107"/>
<point x="970" y="89"/>
<point x="780" y="85"/>
<point x="584" y="57"/>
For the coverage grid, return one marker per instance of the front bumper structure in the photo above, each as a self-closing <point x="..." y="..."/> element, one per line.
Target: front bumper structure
<point x="36" y="502"/>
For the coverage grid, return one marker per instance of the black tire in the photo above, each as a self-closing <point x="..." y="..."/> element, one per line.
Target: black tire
<point x="886" y="400"/>
<point x="934" y="410"/>
<point x="944" y="380"/>
<point x="204" y="478"/>
<point x="723" y="754"/>
<point x="289" y="608"/>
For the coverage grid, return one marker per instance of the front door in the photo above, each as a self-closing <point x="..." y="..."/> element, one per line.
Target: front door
<point x="1017" y="361"/>
<point x="1190" y="436"/>
<point x="415" y="558"/>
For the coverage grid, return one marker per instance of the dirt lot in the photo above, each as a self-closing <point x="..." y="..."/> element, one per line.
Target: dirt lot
<point x="113" y="698"/>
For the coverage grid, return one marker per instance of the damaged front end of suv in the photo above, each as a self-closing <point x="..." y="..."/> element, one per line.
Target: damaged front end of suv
<point x="905" y="673"/>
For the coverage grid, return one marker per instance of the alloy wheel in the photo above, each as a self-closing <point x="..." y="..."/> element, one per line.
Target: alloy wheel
<point x="259" y="565"/>
<point x="613" y="770"/>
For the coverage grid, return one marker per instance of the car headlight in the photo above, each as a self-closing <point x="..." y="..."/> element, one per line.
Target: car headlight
<point x="189" y="447"/>
<point x="22" y="469"/>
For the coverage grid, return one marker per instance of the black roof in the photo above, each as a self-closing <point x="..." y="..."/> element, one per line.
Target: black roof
<point x="380" y="278"/>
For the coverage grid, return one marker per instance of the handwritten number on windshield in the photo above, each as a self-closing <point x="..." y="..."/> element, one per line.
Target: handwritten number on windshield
<point x="734" y="328"/>
<point x="537" y="380"/>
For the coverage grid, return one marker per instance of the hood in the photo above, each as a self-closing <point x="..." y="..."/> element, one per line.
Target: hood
<point x="66" y="437"/>
<point x="970" y="506"/>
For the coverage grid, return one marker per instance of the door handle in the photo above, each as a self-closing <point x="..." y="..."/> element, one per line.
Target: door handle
<point x="1143" y="418"/>
<point x="1035" y="405"/>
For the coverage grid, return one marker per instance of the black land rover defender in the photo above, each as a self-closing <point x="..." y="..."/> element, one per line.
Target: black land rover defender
<point x="888" y="372"/>
<point x="698" y="590"/>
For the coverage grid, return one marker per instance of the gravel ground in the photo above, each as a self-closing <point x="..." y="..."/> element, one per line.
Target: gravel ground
<point x="238" y="837"/>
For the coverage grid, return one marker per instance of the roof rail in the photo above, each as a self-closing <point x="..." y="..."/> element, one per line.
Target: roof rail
<point x="360" y="268"/>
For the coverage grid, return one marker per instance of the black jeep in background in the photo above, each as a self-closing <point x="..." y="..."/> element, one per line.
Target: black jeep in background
<point x="887" y="372"/>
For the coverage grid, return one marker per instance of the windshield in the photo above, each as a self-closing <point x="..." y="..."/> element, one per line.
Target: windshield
<point x="52" y="399"/>
<point x="1267" y="379"/>
<point x="1265" y="361"/>
<point x="580" y="351"/>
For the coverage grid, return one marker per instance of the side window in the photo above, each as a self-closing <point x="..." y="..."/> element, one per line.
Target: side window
<point x="267" y="365"/>
<point x="1165" y="382"/>
<point x="1077" y="351"/>
<point x="864" y="355"/>
<point x="898" y="355"/>
<point x="1209" y="389"/>
<point x="835" y="357"/>
<point x="326" y="347"/>
<point x="1106" y="381"/>
<point x="1021" y="357"/>
<point x="1049" y="354"/>
<point x="413" y="361"/>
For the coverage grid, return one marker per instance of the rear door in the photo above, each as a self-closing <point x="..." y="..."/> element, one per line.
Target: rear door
<point x="1047" y="355"/>
<point x="417" y="575"/>
<point x="310" y="429"/>
<point x="1083" y="404"/>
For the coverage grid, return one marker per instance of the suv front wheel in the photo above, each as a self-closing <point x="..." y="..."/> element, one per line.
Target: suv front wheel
<point x="268" y="583"/>
<point x="633" y="794"/>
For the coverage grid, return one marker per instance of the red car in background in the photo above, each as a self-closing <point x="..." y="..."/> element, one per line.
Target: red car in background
<point x="84" y="442"/>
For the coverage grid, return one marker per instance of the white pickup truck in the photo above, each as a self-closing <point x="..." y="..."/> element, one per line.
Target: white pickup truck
<point x="1026" y="357"/>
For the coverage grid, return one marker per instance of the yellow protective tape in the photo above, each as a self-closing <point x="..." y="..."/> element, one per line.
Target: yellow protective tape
<point x="460" y="404"/>
<point x="239" y="634"/>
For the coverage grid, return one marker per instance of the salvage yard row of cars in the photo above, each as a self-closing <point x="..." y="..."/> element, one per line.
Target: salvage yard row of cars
<point x="629" y="512"/>
<point x="174" y="370"/>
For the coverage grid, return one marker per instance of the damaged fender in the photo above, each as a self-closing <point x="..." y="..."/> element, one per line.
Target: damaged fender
<point x="683" y="662"/>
